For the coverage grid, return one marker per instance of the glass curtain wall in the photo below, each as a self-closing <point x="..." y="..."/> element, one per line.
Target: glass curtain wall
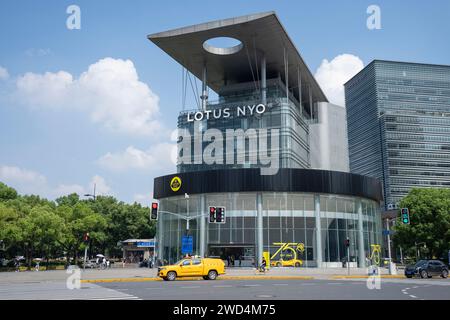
<point x="287" y="218"/>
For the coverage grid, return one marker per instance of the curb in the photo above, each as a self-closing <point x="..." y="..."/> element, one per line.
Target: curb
<point x="262" y="277"/>
<point x="386" y="276"/>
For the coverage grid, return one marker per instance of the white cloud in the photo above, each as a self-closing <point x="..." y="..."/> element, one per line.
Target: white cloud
<point x="101" y="187"/>
<point x="3" y="73"/>
<point x="331" y="75"/>
<point x="64" y="189"/>
<point x="110" y="91"/>
<point x="25" y="181"/>
<point x="159" y="156"/>
<point x="143" y="199"/>
<point x="30" y="182"/>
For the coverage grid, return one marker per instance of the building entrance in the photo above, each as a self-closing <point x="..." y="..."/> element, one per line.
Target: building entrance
<point x="233" y="255"/>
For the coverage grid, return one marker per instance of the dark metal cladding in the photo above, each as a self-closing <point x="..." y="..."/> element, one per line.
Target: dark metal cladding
<point x="286" y="180"/>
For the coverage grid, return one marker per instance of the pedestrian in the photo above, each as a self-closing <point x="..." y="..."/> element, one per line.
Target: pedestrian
<point x="17" y="264"/>
<point x="107" y="264"/>
<point x="232" y="260"/>
<point x="228" y="261"/>
<point x="240" y="260"/>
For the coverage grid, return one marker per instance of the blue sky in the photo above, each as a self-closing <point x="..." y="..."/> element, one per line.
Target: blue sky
<point x="53" y="142"/>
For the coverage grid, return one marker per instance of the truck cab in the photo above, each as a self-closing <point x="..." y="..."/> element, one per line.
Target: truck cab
<point x="207" y="268"/>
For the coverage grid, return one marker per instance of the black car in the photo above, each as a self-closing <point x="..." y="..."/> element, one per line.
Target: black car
<point x="427" y="269"/>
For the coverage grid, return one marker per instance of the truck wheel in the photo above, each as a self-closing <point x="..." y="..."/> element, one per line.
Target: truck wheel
<point x="297" y="264"/>
<point x="278" y="264"/>
<point x="212" y="275"/>
<point x="423" y="274"/>
<point x="171" y="275"/>
<point x="444" y="274"/>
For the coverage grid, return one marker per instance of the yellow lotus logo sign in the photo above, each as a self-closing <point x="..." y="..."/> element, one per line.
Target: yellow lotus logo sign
<point x="175" y="184"/>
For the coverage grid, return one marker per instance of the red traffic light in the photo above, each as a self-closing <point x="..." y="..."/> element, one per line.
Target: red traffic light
<point x="154" y="211"/>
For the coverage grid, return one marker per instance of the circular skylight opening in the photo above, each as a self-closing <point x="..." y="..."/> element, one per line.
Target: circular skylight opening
<point x="222" y="45"/>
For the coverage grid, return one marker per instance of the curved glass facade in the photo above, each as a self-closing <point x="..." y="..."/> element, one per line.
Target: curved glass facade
<point x="320" y="222"/>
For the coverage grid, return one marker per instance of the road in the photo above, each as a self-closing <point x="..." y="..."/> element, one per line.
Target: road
<point x="391" y="289"/>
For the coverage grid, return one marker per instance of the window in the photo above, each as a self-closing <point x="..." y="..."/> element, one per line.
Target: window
<point x="196" y="262"/>
<point x="186" y="262"/>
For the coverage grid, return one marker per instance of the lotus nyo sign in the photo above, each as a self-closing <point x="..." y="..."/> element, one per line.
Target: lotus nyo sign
<point x="241" y="111"/>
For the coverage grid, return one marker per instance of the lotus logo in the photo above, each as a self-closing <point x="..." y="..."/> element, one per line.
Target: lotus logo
<point x="175" y="184"/>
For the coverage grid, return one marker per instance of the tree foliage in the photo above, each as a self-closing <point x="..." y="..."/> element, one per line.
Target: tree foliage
<point x="429" y="226"/>
<point x="36" y="227"/>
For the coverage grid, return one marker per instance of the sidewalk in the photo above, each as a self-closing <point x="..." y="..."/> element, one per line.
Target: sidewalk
<point x="145" y="274"/>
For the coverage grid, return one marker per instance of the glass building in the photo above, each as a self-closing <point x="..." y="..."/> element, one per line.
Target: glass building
<point x="296" y="215"/>
<point x="399" y="125"/>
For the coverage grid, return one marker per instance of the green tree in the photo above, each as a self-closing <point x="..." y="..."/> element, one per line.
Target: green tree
<point x="124" y="221"/>
<point x="78" y="220"/>
<point x="429" y="210"/>
<point x="7" y="193"/>
<point x="9" y="230"/>
<point x="40" y="229"/>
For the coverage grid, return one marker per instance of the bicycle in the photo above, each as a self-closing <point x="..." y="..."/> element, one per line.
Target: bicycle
<point x="375" y="257"/>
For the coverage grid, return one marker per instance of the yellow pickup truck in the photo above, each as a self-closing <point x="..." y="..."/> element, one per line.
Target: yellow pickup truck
<point x="207" y="268"/>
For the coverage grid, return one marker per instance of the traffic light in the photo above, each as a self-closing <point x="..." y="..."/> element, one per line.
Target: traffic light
<point x="86" y="237"/>
<point x="154" y="213"/>
<point x="212" y="214"/>
<point x="405" y="215"/>
<point x="220" y="214"/>
<point x="347" y="242"/>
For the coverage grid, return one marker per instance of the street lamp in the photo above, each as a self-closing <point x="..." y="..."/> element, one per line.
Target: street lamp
<point x="91" y="195"/>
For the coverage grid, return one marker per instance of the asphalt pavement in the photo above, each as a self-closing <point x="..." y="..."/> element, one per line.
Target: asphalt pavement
<point x="341" y="289"/>
<point x="285" y="290"/>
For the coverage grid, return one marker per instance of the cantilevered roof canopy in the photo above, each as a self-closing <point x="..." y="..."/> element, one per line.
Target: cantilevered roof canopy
<point x="260" y="34"/>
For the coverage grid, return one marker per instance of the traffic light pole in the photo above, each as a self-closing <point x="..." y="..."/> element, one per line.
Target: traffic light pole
<point x="348" y="260"/>
<point x="85" y="256"/>
<point x="389" y="246"/>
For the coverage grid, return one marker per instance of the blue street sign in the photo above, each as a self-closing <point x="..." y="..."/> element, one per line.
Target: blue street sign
<point x="144" y="244"/>
<point x="186" y="244"/>
<point x="386" y="232"/>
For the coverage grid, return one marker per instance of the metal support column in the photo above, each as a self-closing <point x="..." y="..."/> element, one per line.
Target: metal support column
<point x="160" y="238"/>
<point x="259" y="226"/>
<point x="286" y="74"/>
<point x="361" y="252"/>
<point x="319" y="258"/>
<point x="202" y="225"/>
<point x="263" y="81"/>
<point x="204" y="95"/>
<point x="299" y="82"/>
<point x="310" y="102"/>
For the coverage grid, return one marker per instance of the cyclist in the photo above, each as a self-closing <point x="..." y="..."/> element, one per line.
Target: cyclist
<point x="262" y="267"/>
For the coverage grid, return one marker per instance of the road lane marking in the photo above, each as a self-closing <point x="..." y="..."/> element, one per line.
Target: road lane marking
<point x="252" y="285"/>
<point x="280" y="284"/>
<point x="224" y="286"/>
<point x="190" y="287"/>
<point x="412" y="296"/>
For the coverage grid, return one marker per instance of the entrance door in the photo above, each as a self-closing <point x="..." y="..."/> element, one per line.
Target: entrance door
<point x="232" y="255"/>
